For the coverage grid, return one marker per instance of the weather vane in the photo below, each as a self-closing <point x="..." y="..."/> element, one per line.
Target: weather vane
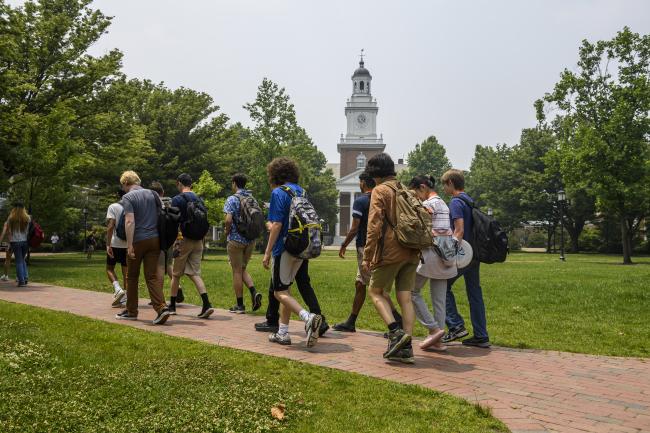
<point x="361" y="55"/>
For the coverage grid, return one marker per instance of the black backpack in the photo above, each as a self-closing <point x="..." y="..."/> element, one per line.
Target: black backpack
<point x="250" y="223"/>
<point x="490" y="241"/>
<point x="120" y="228"/>
<point x="196" y="224"/>
<point x="168" y="218"/>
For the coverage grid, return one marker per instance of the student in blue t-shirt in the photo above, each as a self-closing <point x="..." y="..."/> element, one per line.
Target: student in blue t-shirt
<point x="283" y="174"/>
<point x="462" y="225"/>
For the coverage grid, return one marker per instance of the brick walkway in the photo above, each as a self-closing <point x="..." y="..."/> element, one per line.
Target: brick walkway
<point x="531" y="391"/>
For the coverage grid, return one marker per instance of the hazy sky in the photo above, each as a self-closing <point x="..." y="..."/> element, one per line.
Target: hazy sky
<point x="465" y="71"/>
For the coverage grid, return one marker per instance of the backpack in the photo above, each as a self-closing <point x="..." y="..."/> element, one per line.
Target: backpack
<point x="303" y="238"/>
<point x="120" y="227"/>
<point x="168" y="218"/>
<point x="250" y="223"/>
<point x="35" y="235"/>
<point x="413" y="225"/>
<point x="196" y="224"/>
<point x="490" y="241"/>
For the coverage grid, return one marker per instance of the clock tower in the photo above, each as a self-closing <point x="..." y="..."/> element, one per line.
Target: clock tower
<point x="360" y="142"/>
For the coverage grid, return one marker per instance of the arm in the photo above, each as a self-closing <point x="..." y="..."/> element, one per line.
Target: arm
<point x="375" y="225"/>
<point x="110" y="228"/>
<point x="129" y="224"/>
<point x="459" y="229"/>
<point x="228" y="223"/>
<point x="351" y="235"/>
<point x="4" y="232"/>
<point x="276" y="227"/>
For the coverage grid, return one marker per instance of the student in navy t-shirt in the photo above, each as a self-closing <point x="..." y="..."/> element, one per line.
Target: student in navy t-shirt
<point x="360" y="210"/>
<point x="462" y="225"/>
<point x="283" y="178"/>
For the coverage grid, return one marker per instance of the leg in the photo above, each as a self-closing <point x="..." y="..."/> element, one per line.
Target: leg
<point x="419" y="304"/>
<point x="236" y="257"/>
<point x="476" y="304"/>
<point x="124" y="273"/>
<point x="438" y="290"/>
<point x="18" y="249"/>
<point x="359" y="297"/>
<point x="132" y="276"/>
<point x="198" y="282"/>
<point x="404" y="283"/>
<point x="151" y="255"/>
<point x="381" y="304"/>
<point x="247" y="279"/>
<point x="453" y="318"/>
<point x="273" y="309"/>
<point x="306" y="290"/>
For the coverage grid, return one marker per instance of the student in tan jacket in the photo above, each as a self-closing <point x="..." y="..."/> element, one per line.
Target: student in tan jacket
<point x="388" y="261"/>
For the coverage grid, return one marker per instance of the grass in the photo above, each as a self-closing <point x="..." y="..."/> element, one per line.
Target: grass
<point x="64" y="373"/>
<point x="588" y="304"/>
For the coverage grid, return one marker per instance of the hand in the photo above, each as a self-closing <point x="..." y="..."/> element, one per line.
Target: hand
<point x="365" y="266"/>
<point x="342" y="251"/>
<point x="266" y="261"/>
<point x="131" y="252"/>
<point x="109" y="251"/>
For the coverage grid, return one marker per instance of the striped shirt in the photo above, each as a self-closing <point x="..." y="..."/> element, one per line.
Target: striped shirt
<point x="440" y="216"/>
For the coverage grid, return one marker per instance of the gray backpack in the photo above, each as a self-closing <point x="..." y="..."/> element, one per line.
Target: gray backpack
<point x="303" y="238"/>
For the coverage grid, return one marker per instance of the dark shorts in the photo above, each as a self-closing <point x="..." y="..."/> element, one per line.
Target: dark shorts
<point x="119" y="256"/>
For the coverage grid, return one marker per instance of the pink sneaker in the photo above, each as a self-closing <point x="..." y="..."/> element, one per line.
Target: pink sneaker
<point x="432" y="339"/>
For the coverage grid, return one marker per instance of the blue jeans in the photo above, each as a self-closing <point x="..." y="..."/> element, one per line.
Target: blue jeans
<point x="471" y="275"/>
<point x="20" y="251"/>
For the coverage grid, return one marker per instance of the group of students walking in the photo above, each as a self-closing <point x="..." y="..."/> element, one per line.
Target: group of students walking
<point x="164" y="237"/>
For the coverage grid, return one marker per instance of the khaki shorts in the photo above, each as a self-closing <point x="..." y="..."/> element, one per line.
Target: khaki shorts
<point x="362" y="277"/>
<point x="188" y="261"/>
<point x="239" y="254"/>
<point x="402" y="274"/>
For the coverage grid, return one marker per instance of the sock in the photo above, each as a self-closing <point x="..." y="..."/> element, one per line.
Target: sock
<point x="172" y="301"/>
<point x="398" y="317"/>
<point x="252" y="290"/>
<point x="304" y="315"/>
<point x="116" y="286"/>
<point x="352" y="319"/>
<point x="283" y="329"/>
<point x="393" y="326"/>
<point x="205" y="299"/>
<point x="240" y="302"/>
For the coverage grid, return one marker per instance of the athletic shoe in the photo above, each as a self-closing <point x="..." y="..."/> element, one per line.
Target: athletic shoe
<point x="179" y="296"/>
<point x="344" y="327"/>
<point x="172" y="310"/>
<point x="124" y="315"/>
<point x="397" y="339"/>
<point x="237" y="309"/>
<point x="324" y="327"/>
<point x="4" y="278"/>
<point x="482" y="342"/>
<point x="312" y="326"/>
<point x="206" y="311"/>
<point x="432" y="339"/>
<point x="266" y="327"/>
<point x="162" y="316"/>
<point x="455" y="334"/>
<point x="118" y="298"/>
<point x="23" y="284"/>
<point x="404" y="355"/>
<point x="256" y="301"/>
<point x="283" y="339"/>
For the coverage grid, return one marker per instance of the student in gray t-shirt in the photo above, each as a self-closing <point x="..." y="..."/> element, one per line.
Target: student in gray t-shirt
<point x="143" y="247"/>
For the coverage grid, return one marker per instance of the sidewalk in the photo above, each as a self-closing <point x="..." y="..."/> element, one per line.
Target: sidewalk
<point x="531" y="391"/>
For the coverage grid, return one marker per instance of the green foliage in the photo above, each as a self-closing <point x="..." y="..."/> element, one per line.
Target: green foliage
<point x="604" y="126"/>
<point x="429" y="158"/>
<point x="209" y="191"/>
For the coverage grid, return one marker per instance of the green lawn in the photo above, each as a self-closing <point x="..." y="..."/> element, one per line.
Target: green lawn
<point x="64" y="373"/>
<point x="589" y="304"/>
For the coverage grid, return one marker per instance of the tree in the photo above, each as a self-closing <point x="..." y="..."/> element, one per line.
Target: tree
<point x="603" y="126"/>
<point x="428" y="158"/>
<point x="210" y="192"/>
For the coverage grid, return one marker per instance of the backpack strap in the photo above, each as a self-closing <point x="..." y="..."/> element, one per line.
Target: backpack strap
<point x="291" y="192"/>
<point x="158" y="200"/>
<point x="468" y="202"/>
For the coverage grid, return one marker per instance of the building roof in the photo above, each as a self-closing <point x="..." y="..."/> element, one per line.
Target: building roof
<point x="361" y="71"/>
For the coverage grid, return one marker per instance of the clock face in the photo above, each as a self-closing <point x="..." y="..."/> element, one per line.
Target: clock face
<point x="361" y="120"/>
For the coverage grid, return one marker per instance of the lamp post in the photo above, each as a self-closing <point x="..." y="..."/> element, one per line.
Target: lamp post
<point x="85" y="212"/>
<point x="561" y="199"/>
<point x="490" y="212"/>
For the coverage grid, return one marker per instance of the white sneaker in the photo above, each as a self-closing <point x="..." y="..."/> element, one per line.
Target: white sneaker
<point x="118" y="298"/>
<point x="4" y="278"/>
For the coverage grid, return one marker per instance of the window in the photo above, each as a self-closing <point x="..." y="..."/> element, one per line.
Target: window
<point x="361" y="86"/>
<point x="361" y="161"/>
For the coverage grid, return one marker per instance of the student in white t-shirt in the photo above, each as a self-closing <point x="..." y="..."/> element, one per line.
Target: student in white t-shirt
<point x="115" y="252"/>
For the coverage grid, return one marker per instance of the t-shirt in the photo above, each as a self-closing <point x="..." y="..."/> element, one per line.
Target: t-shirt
<point x="279" y="212"/>
<point x="459" y="209"/>
<point x="143" y="204"/>
<point x="180" y="202"/>
<point x="440" y="223"/>
<point x="232" y="207"/>
<point x="360" y="209"/>
<point x="54" y="239"/>
<point x="115" y="212"/>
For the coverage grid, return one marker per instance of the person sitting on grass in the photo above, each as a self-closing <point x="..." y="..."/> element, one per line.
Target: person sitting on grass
<point x="360" y="209"/>
<point x="283" y="173"/>
<point x="388" y="261"/>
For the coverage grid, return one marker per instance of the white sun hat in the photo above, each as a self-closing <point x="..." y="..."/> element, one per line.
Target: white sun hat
<point x="464" y="256"/>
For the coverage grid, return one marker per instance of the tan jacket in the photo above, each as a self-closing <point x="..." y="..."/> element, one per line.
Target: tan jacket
<point x="382" y="205"/>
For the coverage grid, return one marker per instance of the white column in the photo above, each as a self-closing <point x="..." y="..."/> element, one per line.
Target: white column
<point x="338" y="215"/>
<point x="351" y="203"/>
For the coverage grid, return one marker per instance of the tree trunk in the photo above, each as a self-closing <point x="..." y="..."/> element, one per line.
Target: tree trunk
<point x="549" y="238"/>
<point x="575" y="246"/>
<point x="626" y="241"/>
